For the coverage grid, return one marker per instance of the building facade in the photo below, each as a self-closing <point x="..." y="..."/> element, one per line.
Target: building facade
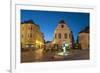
<point x="62" y="34"/>
<point x="83" y="38"/>
<point x="31" y="36"/>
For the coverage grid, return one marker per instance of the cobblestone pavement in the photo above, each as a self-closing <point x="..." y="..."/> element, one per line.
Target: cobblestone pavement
<point x="38" y="56"/>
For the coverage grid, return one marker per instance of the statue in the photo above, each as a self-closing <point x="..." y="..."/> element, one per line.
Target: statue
<point x="65" y="51"/>
<point x="64" y="47"/>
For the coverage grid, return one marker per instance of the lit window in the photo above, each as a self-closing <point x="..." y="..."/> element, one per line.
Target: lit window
<point x="27" y="46"/>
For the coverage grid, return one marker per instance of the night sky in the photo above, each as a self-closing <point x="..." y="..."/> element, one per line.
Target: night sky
<point x="48" y="21"/>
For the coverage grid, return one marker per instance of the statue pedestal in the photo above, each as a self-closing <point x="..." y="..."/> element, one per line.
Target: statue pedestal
<point x="63" y="53"/>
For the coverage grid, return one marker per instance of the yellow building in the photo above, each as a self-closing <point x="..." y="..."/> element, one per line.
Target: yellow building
<point x="62" y="34"/>
<point x="31" y="36"/>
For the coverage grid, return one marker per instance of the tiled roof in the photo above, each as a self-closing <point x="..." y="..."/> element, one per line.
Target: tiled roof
<point x="28" y="21"/>
<point x="85" y="30"/>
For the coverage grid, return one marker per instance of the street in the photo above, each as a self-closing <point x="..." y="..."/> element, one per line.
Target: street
<point x="38" y="56"/>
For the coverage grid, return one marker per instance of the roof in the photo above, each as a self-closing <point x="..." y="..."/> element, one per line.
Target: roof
<point x="62" y="22"/>
<point x="29" y="22"/>
<point x="85" y="30"/>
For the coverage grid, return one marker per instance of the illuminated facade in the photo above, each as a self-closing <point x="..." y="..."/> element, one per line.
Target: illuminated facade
<point x="62" y="34"/>
<point x="83" y="38"/>
<point x="31" y="37"/>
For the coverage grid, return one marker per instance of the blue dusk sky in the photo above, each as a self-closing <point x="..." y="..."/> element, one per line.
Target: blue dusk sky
<point x="48" y="21"/>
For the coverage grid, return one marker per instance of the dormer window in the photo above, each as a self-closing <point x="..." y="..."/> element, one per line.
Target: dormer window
<point x="62" y="26"/>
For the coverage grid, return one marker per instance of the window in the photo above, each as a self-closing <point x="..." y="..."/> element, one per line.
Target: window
<point x="22" y="36"/>
<point x="62" y="26"/>
<point x="65" y="35"/>
<point x="31" y="28"/>
<point x="59" y="35"/>
<point x="30" y="35"/>
<point x="22" y="28"/>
